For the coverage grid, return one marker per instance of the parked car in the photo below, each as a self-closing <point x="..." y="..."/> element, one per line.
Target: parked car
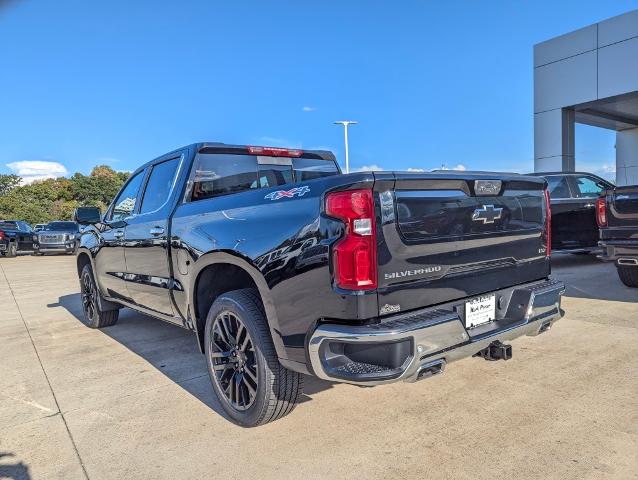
<point x="39" y="227"/>
<point x="15" y="236"/>
<point x="617" y="213"/>
<point x="573" y="201"/>
<point x="222" y="240"/>
<point x="58" y="237"/>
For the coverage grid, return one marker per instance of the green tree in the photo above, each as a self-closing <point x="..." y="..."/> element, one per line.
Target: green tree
<point x="55" y="199"/>
<point x="8" y="182"/>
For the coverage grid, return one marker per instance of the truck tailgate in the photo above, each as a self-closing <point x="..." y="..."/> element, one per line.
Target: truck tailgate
<point x="447" y="236"/>
<point x="623" y="207"/>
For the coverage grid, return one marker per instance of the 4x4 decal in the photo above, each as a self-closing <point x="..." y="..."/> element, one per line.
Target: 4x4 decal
<point x="298" y="191"/>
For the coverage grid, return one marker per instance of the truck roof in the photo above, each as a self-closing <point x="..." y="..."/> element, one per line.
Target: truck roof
<point x="220" y="147"/>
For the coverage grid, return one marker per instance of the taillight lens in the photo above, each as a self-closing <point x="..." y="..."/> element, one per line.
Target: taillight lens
<point x="1" y="235"/>
<point x="601" y="212"/>
<point x="548" y="224"/>
<point x="355" y="255"/>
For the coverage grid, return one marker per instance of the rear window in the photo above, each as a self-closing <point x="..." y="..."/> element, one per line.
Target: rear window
<point x="9" y="225"/>
<point x="215" y="175"/>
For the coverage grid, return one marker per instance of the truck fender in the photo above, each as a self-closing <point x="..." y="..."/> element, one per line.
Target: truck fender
<point x="219" y="257"/>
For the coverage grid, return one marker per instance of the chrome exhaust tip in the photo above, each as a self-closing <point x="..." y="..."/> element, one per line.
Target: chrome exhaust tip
<point x="429" y="369"/>
<point x="628" y="261"/>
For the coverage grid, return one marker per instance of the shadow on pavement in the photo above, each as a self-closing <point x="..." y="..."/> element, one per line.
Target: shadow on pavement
<point x="170" y="349"/>
<point x="13" y="471"/>
<point x="587" y="277"/>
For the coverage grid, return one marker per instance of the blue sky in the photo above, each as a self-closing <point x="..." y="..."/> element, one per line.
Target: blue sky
<point x="431" y="83"/>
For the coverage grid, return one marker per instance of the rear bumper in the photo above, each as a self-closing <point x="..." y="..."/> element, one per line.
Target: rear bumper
<point x="618" y="250"/>
<point x="403" y="347"/>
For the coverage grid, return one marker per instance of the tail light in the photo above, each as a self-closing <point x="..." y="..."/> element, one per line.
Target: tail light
<point x="355" y="255"/>
<point x="601" y="212"/>
<point x="1" y="235"/>
<point x="548" y="224"/>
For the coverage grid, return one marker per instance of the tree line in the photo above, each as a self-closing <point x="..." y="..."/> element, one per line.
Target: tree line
<point x="55" y="199"/>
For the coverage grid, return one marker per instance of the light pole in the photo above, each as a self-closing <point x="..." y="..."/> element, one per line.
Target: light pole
<point x="345" y="124"/>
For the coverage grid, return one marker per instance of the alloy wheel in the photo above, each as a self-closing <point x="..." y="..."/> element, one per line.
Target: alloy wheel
<point x="232" y="359"/>
<point x="89" y="297"/>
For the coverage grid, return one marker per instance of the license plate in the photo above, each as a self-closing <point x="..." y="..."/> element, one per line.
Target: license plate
<point x="480" y="310"/>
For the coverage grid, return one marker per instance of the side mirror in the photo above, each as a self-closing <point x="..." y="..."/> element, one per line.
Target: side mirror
<point x="87" y="215"/>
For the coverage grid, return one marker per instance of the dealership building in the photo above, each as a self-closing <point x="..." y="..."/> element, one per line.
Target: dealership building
<point x="588" y="76"/>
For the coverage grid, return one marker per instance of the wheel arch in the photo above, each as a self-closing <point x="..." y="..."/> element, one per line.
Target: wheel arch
<point x="237" y="272"/>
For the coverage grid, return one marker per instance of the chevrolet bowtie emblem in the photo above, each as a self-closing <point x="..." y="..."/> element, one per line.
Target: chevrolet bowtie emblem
<point x="487" y="214"/>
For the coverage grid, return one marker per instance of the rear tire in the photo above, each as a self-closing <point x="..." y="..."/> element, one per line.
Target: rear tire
<point x="250" y="383"/>
<point x="12" y="250"/>
<point x="628" y="275"/>
<point x="92" y="302"/>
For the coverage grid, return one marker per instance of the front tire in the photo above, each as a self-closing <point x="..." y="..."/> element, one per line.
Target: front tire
<point x="628" y="275"/>
<point x="250" y="383"/>
<point x="94" y="315"/>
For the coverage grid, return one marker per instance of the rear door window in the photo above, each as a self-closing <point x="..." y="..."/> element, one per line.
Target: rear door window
<point x="558" y="186"/>
<point x="159" y="185"/>
<point x="588" y="187"/>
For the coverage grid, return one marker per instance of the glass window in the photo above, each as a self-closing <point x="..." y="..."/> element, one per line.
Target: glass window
<point x="222" y="174"/>
<point x="127" y="199"/>
<point x="158" y="187"/>
<point x="557" y="186"/>
<point x="62" y="227"/>
<point x="309" y="168"/>
<point x="588" y="186"/>
<point x="273" y="175"/>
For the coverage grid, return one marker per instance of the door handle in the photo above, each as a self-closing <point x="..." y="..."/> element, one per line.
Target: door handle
<point x="156" y="231"/>
<point x="118" y="234"/>
<point x="589" y="205"/>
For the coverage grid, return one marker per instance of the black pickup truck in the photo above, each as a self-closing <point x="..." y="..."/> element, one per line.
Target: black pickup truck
<point x="282" y="266"/>
<point x="16" y="236"/>
<point x="617" y="215"/>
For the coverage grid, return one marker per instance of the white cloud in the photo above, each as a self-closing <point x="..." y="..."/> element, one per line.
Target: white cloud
<point x="309" y="109"/>
<point x="32" y="170"/>
<point x="604" y="170"/>
<point x="367" y="168"/>
<point x="416" y="170"/>
<point x="460" y="167"/>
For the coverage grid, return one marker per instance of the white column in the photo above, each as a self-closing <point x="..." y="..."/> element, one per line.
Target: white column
<point x="627" y="157"/>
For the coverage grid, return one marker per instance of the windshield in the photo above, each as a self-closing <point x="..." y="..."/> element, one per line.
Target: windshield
<point x="62" y="226"/>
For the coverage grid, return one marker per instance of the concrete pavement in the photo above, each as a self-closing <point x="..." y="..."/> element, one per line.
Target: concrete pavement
<point x="134" y="400"/>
